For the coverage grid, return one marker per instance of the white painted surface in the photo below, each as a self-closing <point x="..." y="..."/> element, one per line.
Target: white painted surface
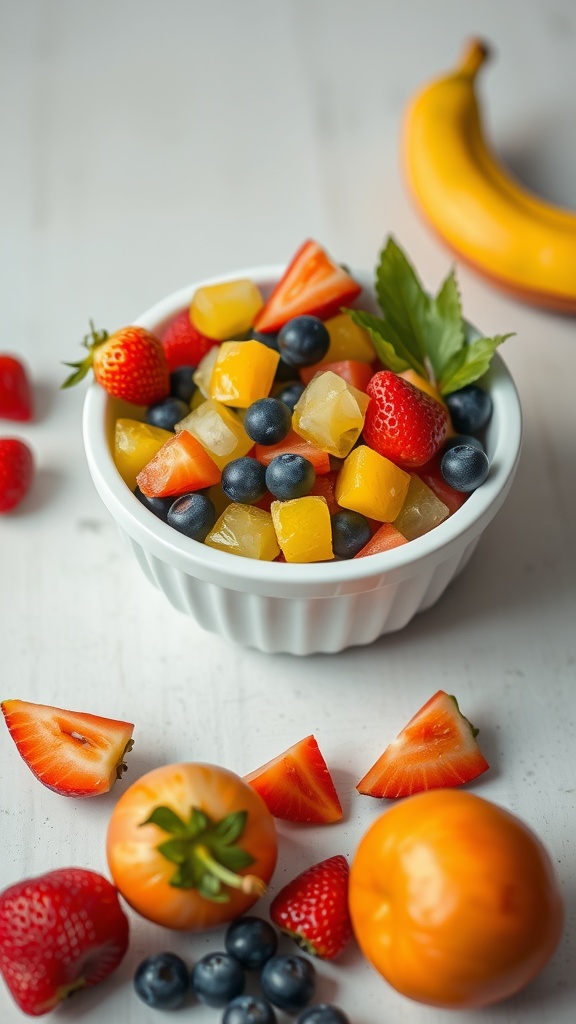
<point x="145" y="145"/>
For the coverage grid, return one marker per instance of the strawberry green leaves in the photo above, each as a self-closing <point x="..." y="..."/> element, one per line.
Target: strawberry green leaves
<point x="423" y="332"/>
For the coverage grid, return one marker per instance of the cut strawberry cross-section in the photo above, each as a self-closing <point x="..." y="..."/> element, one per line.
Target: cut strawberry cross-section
<point x="297" y="786"/>
<point x="312" y="285"/>
<point x="70" y="752"/>
<point x="437" y="748"/>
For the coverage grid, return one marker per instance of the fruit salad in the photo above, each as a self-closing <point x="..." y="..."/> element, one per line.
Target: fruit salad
<point x="298" y="427"/>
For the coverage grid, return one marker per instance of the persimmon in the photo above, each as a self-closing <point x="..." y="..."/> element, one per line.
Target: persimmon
<point x="191" y="846"/>
<point x="454" y="900"/>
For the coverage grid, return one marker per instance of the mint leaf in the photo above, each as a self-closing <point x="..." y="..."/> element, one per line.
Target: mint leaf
<point x="445" y="334"/>
<point x="403" y="300"/>
<point x="469" y="363"/>
<point x="389" y="348"/>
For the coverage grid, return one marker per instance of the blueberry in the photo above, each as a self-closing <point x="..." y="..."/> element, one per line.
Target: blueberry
<point x="244" y="480"/>
<point x="304" y="340"/>
<point x="323" y="1013"/>
<point x="458" y="439"/>
<point x="181" y="384"/>
<point x="288" y="982"/>
<point x="252" y="940"/>
<point x="269" y="339"/>
<point x="162" y="981"/>
<point x="249" y="1010"/>
<point x="267" y="421"/>
<point x="470" y="408"/>
<point x="167" y="413"/>
<point x="464" y="467"/>
<point x="193" y="515"/>
<point x="350" y="532"/>
<point x="289" y="476"/>
<point x="217" y="978"/>
<point x="291" y="393"/>
<point x="159" y="506"/>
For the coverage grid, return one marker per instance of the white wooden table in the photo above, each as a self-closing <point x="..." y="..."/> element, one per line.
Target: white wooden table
<point x="146" y="145"/>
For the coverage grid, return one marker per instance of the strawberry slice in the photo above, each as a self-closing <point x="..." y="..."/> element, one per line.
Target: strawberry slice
<point x="312" y="284"/>
<point x="70" y="752"/>
<point x="313" y="908"/>
<point x="437" y="748"/>
<point x="181" y="465"/>
<point x="297" y="786"/>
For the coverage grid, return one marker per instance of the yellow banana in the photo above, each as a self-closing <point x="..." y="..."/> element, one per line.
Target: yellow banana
<point x="490" y="220"/>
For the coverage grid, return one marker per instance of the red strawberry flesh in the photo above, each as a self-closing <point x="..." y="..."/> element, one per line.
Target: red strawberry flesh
<point x="403" y="423"/>
<point x="297" y="785"/>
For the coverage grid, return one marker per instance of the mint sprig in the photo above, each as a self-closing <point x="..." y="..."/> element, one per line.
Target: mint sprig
<point x="423" y="332"/>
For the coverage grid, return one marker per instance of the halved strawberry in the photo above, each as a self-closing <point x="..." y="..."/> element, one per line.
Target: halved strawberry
<point x="436" y="749"/>
<point x="180" y="466"/>
<point x="313" y="908"/>
<point x="312" y="284"/>
<point x="297" y="786"/>
<point x="70" y="752"/>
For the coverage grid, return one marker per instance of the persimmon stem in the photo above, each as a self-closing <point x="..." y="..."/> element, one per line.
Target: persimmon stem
<point x="250" y="884"/>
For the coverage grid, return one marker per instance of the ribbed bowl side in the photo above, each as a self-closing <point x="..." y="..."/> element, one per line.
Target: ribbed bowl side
<point x="300" y="626"/>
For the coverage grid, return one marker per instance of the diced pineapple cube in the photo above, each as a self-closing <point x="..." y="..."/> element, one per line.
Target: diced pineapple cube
<point x="225" y="310"/>
<point x="330" y="413"/>
<point x="371" y="484"/>
<point x="135" y="443"/>
<point x="243" y="372"/>
<point x="421" y="511"/>
<point x="219" y="430"/>
<point x="245" y="530"/>
<point x="303" y="529"/>
<point x="203" y="373"/>
<point x="348" y="340"/>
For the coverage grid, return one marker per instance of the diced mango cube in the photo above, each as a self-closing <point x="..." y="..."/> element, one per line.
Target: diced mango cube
<point x="371" y="484"/>
<point x="245" y="530"/>
<point x="303" y="529"/>
<point x="330" y="413"/>
<point x="219" y="430"/>
<point x="225" y="310"/>
<point x="243" y="372"/>
<point x="348" y="340"/>
<point x="421" y="511"/>
<point x="135" y="443"/>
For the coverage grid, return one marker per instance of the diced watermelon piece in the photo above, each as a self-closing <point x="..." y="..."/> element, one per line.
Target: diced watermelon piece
<point x="385" y="538"/>
<point x="351" y="370"/>
<point x="293" y="443"/>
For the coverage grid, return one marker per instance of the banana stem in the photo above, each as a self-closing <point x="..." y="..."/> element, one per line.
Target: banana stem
<point x="474" y="56"/>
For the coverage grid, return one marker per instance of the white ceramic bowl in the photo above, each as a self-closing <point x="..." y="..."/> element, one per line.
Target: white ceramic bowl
<point x="300" y="609"/>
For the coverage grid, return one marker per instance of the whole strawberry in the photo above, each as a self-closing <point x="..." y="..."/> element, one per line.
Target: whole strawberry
<point x="313" y="908"/>
<point x="16" y="472"/>
<point x="128" y="364"/>
<point x="183" y="345"/>
<point x="15" y="390"/>
<point x="403" y="423"/>
<point x="59" y="932"/>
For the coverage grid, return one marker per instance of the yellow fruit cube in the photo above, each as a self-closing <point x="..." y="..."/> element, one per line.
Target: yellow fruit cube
<point x="330" y="413"/>
<point x="243" y="372"/>
<point x="135" y="444"/>
<point x="203" y="373"/>
<point x="421" y="511"/>
<point x="245" y="530"/>
<point x="370" y="484"/>
<point x="225" y="310"/>
<point x="348" y="341"/>
<point x="219" y="430"/>
<point x="303" y="529"/>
